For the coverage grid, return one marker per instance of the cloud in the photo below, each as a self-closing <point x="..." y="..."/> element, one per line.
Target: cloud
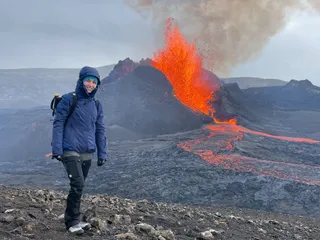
<point x="43" y="33"/>
<point x="227" y="32"/>
<point x="291" y="54"/>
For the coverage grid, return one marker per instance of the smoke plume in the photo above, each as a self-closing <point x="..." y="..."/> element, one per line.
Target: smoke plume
<point x="227" y="33"/>
<point x="315" y="4"/>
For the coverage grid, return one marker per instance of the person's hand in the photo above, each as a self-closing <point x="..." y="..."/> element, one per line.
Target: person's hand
<point x="58" y="157"/>
<point x="101" y="162"/>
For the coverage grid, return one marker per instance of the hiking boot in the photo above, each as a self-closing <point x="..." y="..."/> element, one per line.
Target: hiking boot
<point x="76" y="229"/>
<point x="84" y="225"/>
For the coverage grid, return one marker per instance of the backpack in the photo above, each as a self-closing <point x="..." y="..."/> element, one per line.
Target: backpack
<point x="57" y="98"/>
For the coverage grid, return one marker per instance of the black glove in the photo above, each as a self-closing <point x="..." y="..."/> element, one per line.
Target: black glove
<point x="58" y="157"/>
<point x="101" y="162"/>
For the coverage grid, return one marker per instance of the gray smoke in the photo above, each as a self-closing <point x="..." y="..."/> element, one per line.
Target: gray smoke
<point x="226" y="32"/>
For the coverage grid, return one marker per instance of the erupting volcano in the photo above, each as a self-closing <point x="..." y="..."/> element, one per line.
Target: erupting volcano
<point x="181" y="62"/>
<point x="182" y="65"/>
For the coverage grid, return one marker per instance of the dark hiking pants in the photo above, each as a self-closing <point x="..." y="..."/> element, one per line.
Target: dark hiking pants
<point x="77" y="171"/>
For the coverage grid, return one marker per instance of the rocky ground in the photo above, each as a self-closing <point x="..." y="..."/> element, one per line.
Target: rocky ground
<point x="34" y="214"/>
<point x="276" y="175"/>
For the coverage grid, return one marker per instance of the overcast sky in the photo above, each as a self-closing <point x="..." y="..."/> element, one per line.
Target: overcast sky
<point x="73" y="33"/>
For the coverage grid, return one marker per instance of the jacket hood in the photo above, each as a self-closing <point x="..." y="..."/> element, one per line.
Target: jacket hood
<point x="89" y="71"/>
<point x="85" y="72"/>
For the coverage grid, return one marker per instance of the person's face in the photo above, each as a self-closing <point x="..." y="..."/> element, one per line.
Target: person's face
<point x="90" y="85"/>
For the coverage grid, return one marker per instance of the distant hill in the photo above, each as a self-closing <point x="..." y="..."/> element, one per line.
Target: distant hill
<point x="249" y="82"/>
<point x="32" y="87"/>
<point x="295" y="95"/>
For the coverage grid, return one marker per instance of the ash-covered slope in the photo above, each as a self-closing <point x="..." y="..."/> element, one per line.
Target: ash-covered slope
<point x="143" y="102"/>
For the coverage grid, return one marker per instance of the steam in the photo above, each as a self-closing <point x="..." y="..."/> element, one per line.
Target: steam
<point x="227" y="33"/>
<point x="315" y="4"/>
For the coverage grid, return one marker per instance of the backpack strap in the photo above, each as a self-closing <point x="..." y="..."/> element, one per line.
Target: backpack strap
<point x="74" y="103"/>
<point x="97" y="103"/>
<point x="55" y="100"/>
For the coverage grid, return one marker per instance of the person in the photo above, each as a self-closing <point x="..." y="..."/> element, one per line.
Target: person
<point x="76" y="138"/>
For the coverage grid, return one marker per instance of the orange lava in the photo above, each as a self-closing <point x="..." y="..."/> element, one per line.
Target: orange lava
<point x="240" y="129"/>
<point x="182" y="65"/>
<point x="231" y="121"/>
<point x="217" y="148"/>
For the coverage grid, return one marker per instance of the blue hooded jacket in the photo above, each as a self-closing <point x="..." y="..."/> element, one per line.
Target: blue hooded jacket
<point x="84" y="131"/>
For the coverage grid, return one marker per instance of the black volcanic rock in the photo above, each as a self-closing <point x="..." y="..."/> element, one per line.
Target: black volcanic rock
<point x="120" y="70"/>
<point x="295" y="95"/>
<point x="143" y="103"/>
<point x="123" y="68"/>
<point x="230" y="101"/>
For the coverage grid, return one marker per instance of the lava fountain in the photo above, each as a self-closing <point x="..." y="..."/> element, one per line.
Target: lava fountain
<point x="182" y="65"/>
<point x="181" y="62"/>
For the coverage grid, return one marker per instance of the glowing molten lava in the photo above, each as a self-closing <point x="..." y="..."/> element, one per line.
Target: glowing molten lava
<point x="218" y="148"/>
<point x="231" y="121"/>
<point x="182" y="65"/>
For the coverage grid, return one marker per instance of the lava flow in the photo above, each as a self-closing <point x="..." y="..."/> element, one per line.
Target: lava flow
<point x="223" y="138"/>
<point x="182" y="65"/>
